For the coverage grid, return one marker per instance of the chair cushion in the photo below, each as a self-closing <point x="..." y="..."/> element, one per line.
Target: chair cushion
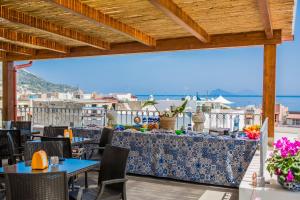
<point x="92" y="193"/>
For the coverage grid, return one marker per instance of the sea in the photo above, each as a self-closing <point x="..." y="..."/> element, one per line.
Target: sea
<point x="292" y="102"/>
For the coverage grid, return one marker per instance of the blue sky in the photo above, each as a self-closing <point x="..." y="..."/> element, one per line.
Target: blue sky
<point x="235" y="70"/>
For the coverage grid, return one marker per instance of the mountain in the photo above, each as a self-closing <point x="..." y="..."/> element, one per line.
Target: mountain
<point x="33" y="83"/>
<point x="218" y="92"/>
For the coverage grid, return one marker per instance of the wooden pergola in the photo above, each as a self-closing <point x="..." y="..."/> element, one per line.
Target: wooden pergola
<point x="50" y="29"/>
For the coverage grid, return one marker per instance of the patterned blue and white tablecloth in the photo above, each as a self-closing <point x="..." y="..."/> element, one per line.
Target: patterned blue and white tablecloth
<point x="202" y="158"/>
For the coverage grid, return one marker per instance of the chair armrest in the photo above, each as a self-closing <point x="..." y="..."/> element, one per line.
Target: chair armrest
<point x="109" y="182"/>
<point x="113" y="181"/>
<point x="99" y="148"/>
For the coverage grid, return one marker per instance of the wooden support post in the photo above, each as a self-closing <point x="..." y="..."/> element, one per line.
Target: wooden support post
<point x="8" y="104"/>
<point x="269" y="89"/>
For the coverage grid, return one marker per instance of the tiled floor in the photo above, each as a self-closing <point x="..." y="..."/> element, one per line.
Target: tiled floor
<point x="148" y="188"/>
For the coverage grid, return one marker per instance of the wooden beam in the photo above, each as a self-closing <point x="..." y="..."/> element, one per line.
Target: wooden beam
<point x="7" y="97"/>
<point x="175" y="44"/>
<point x="265" y="14"/>
<point x="8" y="47"/>
<point x="169" y="8"/>
<point x="99" y="18"/>
<point x="269" y="89"/>
<point x="23" y="19"/>
<point x="25" y="38"/>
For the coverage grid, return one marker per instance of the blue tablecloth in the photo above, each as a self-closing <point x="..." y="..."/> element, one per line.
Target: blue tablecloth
<point x="202" y="158"/>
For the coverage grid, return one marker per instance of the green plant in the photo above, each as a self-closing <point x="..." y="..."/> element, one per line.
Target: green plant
<point x="174" y="112"/>
<point x="149" y="103"/>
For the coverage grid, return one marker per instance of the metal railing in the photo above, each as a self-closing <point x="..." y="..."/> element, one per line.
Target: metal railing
<point x="62" y="116"/>
<point x="212" y="120"/>
<point x="98" y="116"/>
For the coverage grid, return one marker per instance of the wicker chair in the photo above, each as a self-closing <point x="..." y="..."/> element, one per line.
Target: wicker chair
<point x="4" y="154"/>
<point x="50" y="147"/>
<point x="24" y="127"/>
<point x="54" y="131"/>
<point x="111" y="180"/>
<point x="36" y="186"/>
<point x="67" y="149"/>
<point x="14" y="149"/>
<point x="97" y="151"/>
<point x="4" y="144"/>
<point x="105" y="139"/>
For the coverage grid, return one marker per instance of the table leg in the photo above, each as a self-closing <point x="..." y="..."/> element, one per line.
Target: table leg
<point x="86" y="180"/>
<point x="72" y="182"/>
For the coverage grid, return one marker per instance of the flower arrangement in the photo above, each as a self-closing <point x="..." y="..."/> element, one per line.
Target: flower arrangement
<point x="252" y="132"/>
<point x="285" y="163"/>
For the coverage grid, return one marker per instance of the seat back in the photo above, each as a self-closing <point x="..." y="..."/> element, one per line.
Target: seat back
<point x="9" y="145"/>
<point x="37" y="186"/>
<point x="13" y="145"/>
<point x="106" y="137"/>
<point x="54" y="131"/>
<point x="113" y="165"/>
<point x="21" y="125"/>
<point x="52" y="148"/>
<point x="67" y="149"/>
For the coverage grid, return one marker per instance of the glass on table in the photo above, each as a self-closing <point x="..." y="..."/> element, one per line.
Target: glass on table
<point x="54" y="160"/>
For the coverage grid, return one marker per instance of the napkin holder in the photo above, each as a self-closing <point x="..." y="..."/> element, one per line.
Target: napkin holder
<point x="39" y="160"/>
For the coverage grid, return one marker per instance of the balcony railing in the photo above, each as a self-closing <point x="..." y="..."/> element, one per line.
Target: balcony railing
<point x="212" y="120"/>
<point x="98" y="116"/>
<point x="62" y="116"/>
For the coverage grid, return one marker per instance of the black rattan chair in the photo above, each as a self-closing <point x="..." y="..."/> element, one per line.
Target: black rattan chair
<point x="36" y="186"/>
<point x="6" y="149"/>
<point x="4" y="154"/>
<point x="111" y="180"/>
<point x="24" y="127"/>
<point x="50" y="147"/>
<point x="105" y="139"/>
<point x="67" y="149"/>
<point x="99" y="147"/>
<point x="14" y="149"/>
<point x="54" y="131"/>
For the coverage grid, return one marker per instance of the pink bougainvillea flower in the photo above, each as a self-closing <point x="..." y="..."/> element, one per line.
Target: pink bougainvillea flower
<point x="287" y="148"/>
<point x="278" y="144"/>
<point x="290" y="177"/>
<point x="284" y="153"/>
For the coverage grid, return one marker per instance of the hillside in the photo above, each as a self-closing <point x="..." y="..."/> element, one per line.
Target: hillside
<point x="29" y="81"/>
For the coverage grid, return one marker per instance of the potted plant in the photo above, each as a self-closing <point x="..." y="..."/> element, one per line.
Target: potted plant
<point x="168" y="117"/>
<point x="285" y="163"/>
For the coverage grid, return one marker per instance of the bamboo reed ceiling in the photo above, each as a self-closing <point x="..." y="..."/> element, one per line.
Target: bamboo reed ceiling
<point x="138" y="23"/>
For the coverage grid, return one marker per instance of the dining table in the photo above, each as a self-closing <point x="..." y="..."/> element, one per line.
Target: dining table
<point x="71" y="166"/>
<point x="206" y="158"/>
<point x="76" y="141"/>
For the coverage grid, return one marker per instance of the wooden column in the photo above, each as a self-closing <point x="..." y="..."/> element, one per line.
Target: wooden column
<point x="269" y="89"/>
<point x="8" y="104"/>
